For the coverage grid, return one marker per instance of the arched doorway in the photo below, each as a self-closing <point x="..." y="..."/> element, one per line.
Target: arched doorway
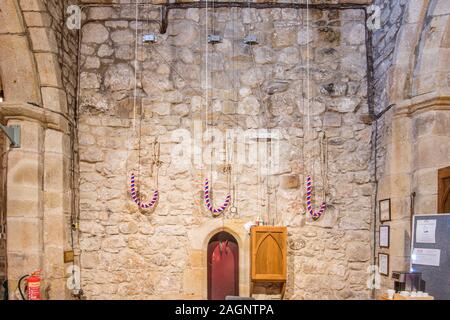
<point x="223" y="266"/>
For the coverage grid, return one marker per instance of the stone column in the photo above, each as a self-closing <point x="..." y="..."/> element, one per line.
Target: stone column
<point x="432" y="152"/>
<point x="25" y="203"/>
<point x="56" y="205"/>
<point x="400" y="192"/>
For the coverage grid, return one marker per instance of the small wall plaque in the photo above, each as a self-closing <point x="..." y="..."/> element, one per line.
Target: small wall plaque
<point x="69" y="256"/>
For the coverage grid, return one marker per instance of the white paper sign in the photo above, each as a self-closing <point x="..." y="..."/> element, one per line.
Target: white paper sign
<point x="427" y="257"/>
<point x="426" y="231"/>
<point x="383" y="264"/>
<point x="384" y="236"/>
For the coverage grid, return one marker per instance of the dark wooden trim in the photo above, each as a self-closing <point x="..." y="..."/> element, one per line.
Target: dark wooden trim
<point x="442" y="192"/>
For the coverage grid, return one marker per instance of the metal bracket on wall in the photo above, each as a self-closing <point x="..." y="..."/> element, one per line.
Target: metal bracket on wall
<point x="13" y="134"/>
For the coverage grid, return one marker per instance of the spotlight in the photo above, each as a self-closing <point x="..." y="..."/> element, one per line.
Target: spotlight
<point x="251" y="39"/>
<point x="149" y="38"/>
<point x="214" y="38"/>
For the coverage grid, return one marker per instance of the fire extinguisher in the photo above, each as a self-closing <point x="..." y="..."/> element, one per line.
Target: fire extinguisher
<point x="32" y="286"/>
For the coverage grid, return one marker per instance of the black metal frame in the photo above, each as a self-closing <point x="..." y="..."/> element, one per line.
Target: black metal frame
<point x="379" y="209"/>
<point x="387" y="255"/>
<point x="389" y="236"/>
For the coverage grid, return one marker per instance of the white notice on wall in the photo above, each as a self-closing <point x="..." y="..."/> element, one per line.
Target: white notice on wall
<point x="426" y="231"/>
<point x="427" y="257"/>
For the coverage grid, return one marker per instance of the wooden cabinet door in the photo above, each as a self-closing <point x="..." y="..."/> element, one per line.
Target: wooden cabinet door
<point x="268" y="253"/>
<point x="444" y="190"/>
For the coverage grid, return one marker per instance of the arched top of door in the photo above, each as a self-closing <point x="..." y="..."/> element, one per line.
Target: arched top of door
<point x="223" y="236"/>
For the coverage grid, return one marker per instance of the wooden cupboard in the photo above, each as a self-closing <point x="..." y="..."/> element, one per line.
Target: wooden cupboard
<point x="444" y="190"/>
<point x="269" y="255"/>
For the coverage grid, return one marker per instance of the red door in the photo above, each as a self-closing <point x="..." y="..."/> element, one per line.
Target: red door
<point x="223" y="261"/>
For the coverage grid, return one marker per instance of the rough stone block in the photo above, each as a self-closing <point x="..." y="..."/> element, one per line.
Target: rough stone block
<point x="54" y="99"/>
<point x="37" y="19"/>
<point x="193" y="281"/>
<point x="95" y="33"/>
<point x="23" y="201"/>
<point x="24" y="170"/>
<point x="49" y="69"/>
<point x="24" y="235"/>
<point x="8" y="12"/>
<point x="290" y="182"/>
<point x="16" y="59"/>
<point x="43" y="39"/>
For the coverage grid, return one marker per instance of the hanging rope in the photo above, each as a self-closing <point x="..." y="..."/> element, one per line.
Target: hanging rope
<point x="156" y="153"/>
<point x="136" y="199"/>
<point x="206" y="189"/>
<point x="134" y="194"/>
<point x="265" y="108"/>
<point x="208" y="204"/>
<point x="315" y="215"/>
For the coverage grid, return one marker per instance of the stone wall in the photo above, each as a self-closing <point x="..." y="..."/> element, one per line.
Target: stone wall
<point x="384" y="40"/>
<point x="38" y="57"/>
<point x="127" y="253"/>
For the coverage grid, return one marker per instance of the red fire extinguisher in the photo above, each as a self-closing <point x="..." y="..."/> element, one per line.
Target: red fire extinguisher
<point x="32" y="287"/>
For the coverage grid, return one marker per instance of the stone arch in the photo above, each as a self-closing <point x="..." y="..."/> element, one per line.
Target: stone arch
<point x="17" y="65"/>
<point x="422" y="50"/>
<point x="432" y="53"/>
<point x="199" y="240"/>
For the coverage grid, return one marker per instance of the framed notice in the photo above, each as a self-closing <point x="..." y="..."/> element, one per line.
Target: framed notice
<point x="385" y="210"/>
<point x="383" y="264"/>
<point x="384" y="236"/>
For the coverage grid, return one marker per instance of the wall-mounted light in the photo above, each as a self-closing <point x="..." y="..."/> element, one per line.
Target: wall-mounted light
<point x="214" y="38"/>
<point x="150" y="38"/>
<point x="251" y="39"/>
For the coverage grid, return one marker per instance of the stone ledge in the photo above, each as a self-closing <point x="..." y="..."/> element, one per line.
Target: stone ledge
<point x="439" y="100"/>
<point x="48" y="118"/>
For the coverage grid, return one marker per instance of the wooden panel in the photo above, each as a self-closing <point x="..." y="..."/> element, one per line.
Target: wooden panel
<point x="268" y="253"/>
<point x="444" y="190"/>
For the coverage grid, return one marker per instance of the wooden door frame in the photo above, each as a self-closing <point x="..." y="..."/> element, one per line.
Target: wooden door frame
<point x="442" y="174"/>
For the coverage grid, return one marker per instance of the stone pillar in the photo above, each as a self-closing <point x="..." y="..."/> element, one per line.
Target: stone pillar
<point x="38" y="199"/>
<point x="432" y="145"/>
<point x="56" y="205"/>
<point x="25" y="203"/>
<point x="400" y="161"/>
